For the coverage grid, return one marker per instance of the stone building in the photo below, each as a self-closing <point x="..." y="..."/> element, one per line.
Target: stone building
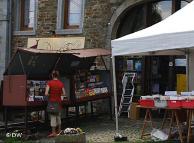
<point x="4" y="35"/>
<point x="98" y="21"/>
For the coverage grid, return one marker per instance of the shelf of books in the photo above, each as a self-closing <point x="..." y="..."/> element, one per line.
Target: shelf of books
<point x="92" y="85"/>
<point x="131" y="65"/>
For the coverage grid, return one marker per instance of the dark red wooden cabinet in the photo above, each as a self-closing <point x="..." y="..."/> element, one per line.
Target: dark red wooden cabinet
<point x="14" y="90"/>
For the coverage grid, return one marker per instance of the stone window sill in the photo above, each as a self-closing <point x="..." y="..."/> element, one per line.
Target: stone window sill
<point x="24" y="33"/>
<point x="68" y="31"/>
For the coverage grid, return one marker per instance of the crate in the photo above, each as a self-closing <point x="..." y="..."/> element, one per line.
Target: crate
<point x="160" y="103"/>
<point x="170" y="93"/>
<point x="146" y="102"/>
<point x="186" y="93"/>
<point x="174" y="103"/>
<point x="187" y="103"/>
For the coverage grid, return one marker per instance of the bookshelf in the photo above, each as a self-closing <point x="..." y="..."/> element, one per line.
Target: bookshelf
<point x="131" y="64"/>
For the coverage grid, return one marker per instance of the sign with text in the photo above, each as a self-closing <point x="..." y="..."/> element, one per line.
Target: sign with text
<point x="181" y="82"/>
<point x="180" y="62"/>
<point x="60" y="44"/>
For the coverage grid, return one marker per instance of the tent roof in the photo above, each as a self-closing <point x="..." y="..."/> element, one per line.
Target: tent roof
<point x="82" y="53"/>
<point x="40" y="63"/>
<point x="174" y="32"/>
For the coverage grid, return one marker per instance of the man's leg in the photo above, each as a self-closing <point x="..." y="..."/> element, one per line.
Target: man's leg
<point x="53" y="123"/>
<point x="58" y="119"/>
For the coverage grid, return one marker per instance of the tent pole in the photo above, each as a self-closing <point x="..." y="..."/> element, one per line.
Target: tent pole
<point x="117" y="137"/>
<point x="187" y="69"/>
<point x="115" y="94"/>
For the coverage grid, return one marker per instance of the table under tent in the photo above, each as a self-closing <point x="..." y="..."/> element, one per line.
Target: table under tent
<point x="172" y="36"/>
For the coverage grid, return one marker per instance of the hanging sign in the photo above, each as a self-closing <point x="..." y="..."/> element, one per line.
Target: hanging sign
<point x="61" y="44"/>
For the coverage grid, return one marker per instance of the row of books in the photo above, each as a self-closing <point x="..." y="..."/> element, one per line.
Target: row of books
<point x="129" y="65"/>
<point x="36" y="88"/>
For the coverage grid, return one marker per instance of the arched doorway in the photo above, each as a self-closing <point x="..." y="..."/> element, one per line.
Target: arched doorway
<point x="157" y="73"/>
<point x="145" y="14"/>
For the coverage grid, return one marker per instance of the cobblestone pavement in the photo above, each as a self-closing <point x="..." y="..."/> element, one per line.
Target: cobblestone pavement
<point x="102" y="129"/>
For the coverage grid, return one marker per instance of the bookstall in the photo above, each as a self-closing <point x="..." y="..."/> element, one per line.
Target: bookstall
<point x="29" y="70"/>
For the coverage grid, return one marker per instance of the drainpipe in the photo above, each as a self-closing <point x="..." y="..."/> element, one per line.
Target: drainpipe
<point x="9" y="30"/>
<point x="7" y="22"/>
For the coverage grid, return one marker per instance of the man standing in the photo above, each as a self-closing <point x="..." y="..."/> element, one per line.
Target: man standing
<point x="55" y="89"/>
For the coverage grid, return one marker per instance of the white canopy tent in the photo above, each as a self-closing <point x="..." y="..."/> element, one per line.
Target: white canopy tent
<point x="168" y="37"/>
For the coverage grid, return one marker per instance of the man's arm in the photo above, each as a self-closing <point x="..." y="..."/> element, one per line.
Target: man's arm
<point x="47" y="90"/>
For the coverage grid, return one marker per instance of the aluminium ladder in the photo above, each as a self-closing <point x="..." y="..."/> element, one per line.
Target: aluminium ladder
<point x="127" y="93"/>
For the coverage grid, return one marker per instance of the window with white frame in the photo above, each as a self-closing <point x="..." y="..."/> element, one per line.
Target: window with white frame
<point x="70" y="16"/>
<point x="25" y="16"/>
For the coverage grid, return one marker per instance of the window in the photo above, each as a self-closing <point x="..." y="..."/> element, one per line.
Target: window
<point x="70" y="16"/>
<point x="147" y="14"/>
<point x="25" y="17"/>
<point x="159" y="11"/>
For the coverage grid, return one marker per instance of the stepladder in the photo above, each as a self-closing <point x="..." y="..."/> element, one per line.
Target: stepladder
<point x="127" y="93"/>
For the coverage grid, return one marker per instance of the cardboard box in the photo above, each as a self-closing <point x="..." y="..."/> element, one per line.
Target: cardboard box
<point x="134" y="111"/>
<point x="71" y="138"/>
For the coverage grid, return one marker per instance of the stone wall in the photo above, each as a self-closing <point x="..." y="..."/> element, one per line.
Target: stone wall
<point x="47" y="16"/>
<point x="97" y="15"/>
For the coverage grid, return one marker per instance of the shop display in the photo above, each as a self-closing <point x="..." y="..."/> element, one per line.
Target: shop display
<point x="90" y="84"/>
<point x="25" y="78"/>
<point x="36" y="90"/>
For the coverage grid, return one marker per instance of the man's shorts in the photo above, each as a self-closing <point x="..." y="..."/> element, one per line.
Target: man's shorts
<point x="55" y="119"/>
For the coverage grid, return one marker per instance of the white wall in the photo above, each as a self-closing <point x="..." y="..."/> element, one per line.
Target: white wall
<point x="191" y="70"/>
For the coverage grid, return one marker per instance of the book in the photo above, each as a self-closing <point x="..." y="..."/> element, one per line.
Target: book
<point x="155" y="88"/>
<point x="129" y="64"/>
<point x="138" y="65"/>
